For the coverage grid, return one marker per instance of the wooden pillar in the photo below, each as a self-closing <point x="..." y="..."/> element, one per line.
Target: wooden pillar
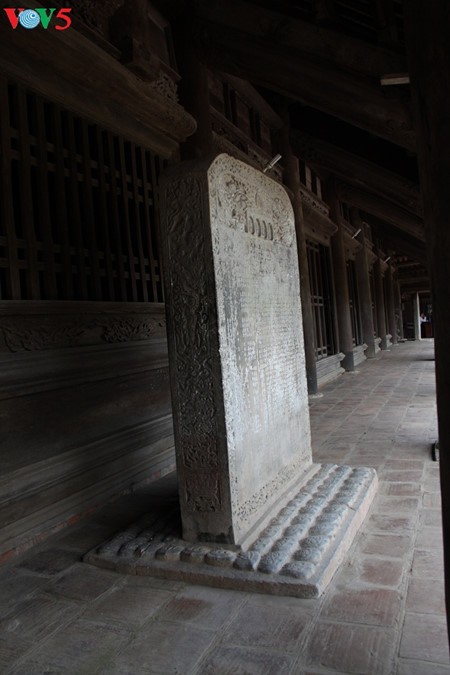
<point x="344" y="323"/>
<point x="193" y="93"/>
<point x="398" y="308"/>
<point x="392" y="324"/>
<point x="416" y="316"/>
<point x="292" y="180"/>
<point x="427" y="33"/>
<point x="363" y="282"/>
<point x="379" y="303"/>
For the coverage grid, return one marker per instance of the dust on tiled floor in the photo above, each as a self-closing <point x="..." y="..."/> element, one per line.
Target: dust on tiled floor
<point x="383" y="612"/>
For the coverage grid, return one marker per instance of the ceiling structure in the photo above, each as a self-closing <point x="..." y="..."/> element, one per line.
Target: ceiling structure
<point x="341" y="67"/>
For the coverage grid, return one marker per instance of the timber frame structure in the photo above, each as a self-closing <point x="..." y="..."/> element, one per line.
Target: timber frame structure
<point x="90" y="117"/>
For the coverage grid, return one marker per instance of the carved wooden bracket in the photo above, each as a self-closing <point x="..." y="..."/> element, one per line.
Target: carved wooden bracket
<point x="130" y="29"/>
<point x="319" y="227"/>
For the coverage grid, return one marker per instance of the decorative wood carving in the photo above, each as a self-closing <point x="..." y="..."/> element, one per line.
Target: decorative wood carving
<point x="125" y="330"/>
<point x="351" y="244"/>
<point x="95" y="14"/>
<point x="112" y="96"/>
<point x="165" y="86"/>
<point x="43" y="327"/>
<point x="131" y="33"/>
<point x="21" y="337"/>
<point x="318" y="225"/>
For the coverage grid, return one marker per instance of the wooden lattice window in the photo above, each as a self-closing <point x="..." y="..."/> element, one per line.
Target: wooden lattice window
<point x="321" y="299"/>
<point x="77" y="207"/>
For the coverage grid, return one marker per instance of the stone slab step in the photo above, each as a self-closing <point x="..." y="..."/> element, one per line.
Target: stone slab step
<point x="297" y="553"/>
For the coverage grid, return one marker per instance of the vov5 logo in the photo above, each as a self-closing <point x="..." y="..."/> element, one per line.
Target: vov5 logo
<point x="44" y="16"/>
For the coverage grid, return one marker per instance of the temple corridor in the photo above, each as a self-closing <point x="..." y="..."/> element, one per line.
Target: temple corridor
<point x="382" y="614"/>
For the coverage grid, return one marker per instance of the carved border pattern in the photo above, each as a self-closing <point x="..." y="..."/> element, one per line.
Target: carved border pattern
<point x="276" y="485"/>
<point x="192" y="327"/>
<point x="125" y="330"/>
<point x="203" y="492"/>
<point x="314" y="202"/>
<point x="30" y="334"/>
<point x="165" y="86"/>
<point x="19" y="337"/>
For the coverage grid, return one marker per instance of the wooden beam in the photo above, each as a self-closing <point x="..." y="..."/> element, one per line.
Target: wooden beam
<point x="394" y="78"/>
<point x="387" y="24"/>
<point x="382" y="208"/>
<point x="358" y="171"/>
<point x="423" y="281"/>
<point x="287" y="70"/>
<point x="396" y="240"/>
<point x="71" y="70"/>
<point x="325" y="44"/>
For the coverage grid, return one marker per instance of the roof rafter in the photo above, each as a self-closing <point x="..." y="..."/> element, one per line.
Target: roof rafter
<point x="358" y="171"/>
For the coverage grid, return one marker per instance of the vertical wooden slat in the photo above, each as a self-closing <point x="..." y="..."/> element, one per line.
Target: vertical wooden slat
<point x="26" y="200"/>
<point x="126" y="224"/>
<point x="44" y="206"/>
<point x="318" y="294"/>
<point x="148" y="225"/>
<point x="6" y="203"/>
<point x="89" y="209"/>
<point x="61" y="201"/>
<point x="156" y="211"/>
<point x="137" y="224"/>
<point x="104" y="216"/>
<point x="74" y="212"/>
<point x="113" y="197"/>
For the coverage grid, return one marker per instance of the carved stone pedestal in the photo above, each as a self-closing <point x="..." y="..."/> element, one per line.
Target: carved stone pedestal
<point x="255" y="512"/>
<point x="297" y="552"/>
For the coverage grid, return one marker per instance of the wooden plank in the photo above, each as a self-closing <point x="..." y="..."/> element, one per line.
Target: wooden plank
<point x="113" y="200"/>
<point x="6" y="203"/>
<point x="26" y="200"/>
<point x="137" y="223"/>
<point x="50" y="288"/>
<point x="89" y="210"/>
<point x="61" y="203"/>
<point x="126" y="224"/>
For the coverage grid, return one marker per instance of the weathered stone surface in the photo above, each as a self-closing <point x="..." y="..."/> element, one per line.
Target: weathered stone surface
<point x="236" y="342"/>
<point x="296" y="554"/>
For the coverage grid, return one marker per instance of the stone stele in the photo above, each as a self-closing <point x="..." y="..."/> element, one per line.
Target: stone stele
<point x="241" y="418"/>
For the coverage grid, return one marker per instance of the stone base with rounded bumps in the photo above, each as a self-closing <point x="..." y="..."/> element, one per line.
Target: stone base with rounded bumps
<point x="297" y="553"/>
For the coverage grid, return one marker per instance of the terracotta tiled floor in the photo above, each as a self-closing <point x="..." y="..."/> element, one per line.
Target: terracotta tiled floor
<point x="383" y="613"/>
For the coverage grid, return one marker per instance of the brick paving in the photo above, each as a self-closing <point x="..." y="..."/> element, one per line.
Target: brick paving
<point x="383" y="612"/>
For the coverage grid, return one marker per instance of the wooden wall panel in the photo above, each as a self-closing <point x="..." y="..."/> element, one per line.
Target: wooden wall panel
<point x="85" y="410"/>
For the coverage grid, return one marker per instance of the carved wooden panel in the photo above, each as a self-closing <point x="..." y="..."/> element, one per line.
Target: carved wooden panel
<point x="29" y="327"/>
<point x="85" y="409"/>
